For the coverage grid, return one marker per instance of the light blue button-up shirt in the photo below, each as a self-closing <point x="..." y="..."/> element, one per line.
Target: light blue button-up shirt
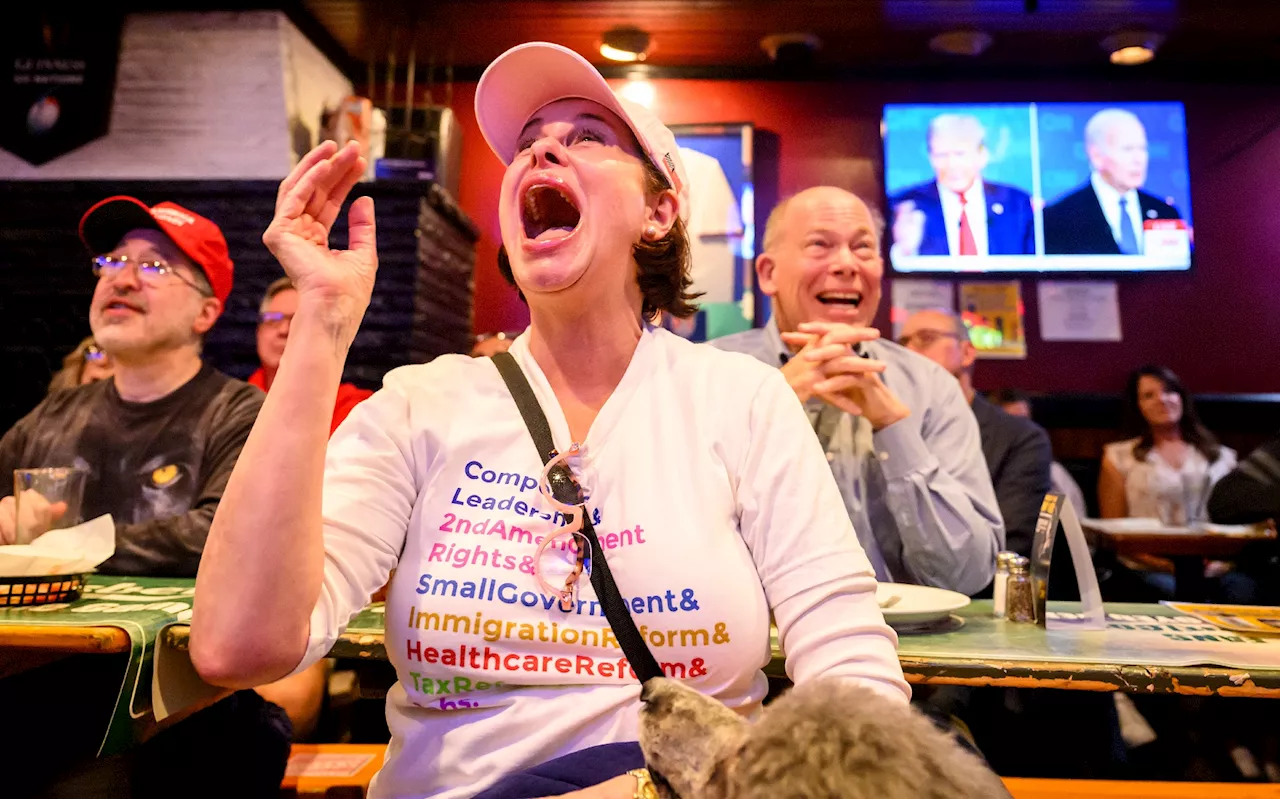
<point x="918" y="491"/>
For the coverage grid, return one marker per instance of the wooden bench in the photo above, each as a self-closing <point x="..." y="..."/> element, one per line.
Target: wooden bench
<point x="1104" y="789"/>
<point x="342" y="771"/>
<point x="335" y="771"/>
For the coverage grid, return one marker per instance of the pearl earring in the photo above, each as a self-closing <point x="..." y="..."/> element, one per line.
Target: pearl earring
<point x="651" y="232"/>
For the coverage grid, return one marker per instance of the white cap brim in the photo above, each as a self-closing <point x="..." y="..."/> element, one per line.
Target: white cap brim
<point x="531" y="75"/>
<point x="524" y="79"/>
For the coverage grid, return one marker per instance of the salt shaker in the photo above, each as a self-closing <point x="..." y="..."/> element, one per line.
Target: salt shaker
<point x="1020" y="602"/>
<point x="998" y="594"/>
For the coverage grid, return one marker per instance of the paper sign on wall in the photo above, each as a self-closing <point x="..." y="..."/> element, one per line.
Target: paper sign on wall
<point x="1079" y="311"/>
<point x="993" y="313"/>
<point x="911" y="295"/>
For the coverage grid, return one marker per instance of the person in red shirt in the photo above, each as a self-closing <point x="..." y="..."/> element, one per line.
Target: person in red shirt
<point x="278" y="306"/>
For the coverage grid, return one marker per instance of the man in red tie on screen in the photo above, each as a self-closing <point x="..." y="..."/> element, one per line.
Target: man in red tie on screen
<point x="959" y="213"/>
<point x="274" y="315"/>
<point x="1106" y="215"/>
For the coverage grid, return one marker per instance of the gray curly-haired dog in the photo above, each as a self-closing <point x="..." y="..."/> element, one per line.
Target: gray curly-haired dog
<point x="823" y="740"/>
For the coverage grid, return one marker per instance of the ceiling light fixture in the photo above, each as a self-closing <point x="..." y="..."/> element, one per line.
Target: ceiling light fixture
<point x="1128" y="48"/>
<point x="791" y="48"/>
<point x="625" y="44"/>
<point x="967" y="43"/>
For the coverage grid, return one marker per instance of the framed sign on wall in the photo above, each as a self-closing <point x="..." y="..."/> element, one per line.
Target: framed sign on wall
<point x="57" y="79"/>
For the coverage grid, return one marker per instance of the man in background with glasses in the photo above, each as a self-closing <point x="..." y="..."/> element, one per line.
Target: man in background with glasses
<point x="1017" y="450"/>
<point x="1079" y="734"/>
<point x="275" y="313"/>
<point x="902" y="443"/>
<point x="159" y="440"/>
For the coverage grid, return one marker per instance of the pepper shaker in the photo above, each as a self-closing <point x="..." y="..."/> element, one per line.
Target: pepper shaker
<point x="1021" y="606"/>
<point x="998" y="588"/>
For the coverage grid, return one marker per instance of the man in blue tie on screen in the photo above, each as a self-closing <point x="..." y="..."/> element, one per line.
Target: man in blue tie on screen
<point x="959" y="213"/>
<point x="1105" y="216"/>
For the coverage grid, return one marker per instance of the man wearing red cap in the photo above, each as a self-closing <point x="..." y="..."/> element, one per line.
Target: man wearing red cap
<point x="159" y="440"/>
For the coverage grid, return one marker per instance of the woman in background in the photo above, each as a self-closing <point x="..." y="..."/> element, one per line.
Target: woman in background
<point x="1167" y="469"/>
<point x="83" y="365"/>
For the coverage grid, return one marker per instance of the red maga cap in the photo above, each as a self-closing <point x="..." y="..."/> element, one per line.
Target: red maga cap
<point x="105" y="224"/>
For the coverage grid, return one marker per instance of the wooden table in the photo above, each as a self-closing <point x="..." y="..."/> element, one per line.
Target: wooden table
<point x="984" y="652"/>
<point x="993" y="652"/>
<point x="116" y="616"/>
<point x="1186" y="547"/>
<point x="65" y="640"/>
<point x="1133" y="789"/>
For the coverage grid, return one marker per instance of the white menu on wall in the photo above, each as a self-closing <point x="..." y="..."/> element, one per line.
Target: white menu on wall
<point x="1079" y="311"/>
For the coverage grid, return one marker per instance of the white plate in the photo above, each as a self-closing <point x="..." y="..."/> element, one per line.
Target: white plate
<point x="1132" y="524"/>
<point x="1144" y="526"/>
<point x="917" y="604"/>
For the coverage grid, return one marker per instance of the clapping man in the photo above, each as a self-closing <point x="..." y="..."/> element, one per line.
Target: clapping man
<point x="899" y="435"/>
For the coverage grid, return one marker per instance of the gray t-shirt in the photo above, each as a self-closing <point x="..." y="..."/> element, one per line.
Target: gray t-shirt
<point x="159" y="468"/>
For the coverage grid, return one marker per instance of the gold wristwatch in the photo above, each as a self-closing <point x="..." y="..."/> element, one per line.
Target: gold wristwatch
<point x="645" y="789"/>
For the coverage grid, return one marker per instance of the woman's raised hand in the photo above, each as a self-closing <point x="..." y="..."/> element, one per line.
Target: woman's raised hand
<point x="307" y="204"/>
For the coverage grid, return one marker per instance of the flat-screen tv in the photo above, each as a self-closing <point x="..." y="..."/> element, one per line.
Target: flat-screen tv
<point x="1037" y="187"/>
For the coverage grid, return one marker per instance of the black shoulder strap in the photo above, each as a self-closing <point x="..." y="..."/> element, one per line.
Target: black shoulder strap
<point x="615" y="608"/>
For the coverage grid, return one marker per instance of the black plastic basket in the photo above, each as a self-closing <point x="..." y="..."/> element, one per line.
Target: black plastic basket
<point x="40" y="590"/>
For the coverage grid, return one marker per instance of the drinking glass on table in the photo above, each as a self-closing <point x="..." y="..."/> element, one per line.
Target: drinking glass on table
<point x="47" y="499"/>
<point x="1171" y="508"/>
<point x="1195" y="492"/>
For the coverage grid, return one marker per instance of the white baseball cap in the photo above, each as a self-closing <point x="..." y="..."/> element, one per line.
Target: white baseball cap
<point x="529" y="76"/>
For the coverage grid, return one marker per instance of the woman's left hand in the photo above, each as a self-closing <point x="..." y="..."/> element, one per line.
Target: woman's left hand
<point x="623" y="787"/>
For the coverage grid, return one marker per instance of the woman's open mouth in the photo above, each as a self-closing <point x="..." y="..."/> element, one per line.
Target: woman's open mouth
<point x="549" y="213"/>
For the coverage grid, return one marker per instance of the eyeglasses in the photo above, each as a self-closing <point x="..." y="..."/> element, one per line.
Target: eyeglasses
<point x="563" y="561"/>
<point x="926" y="337"/>
<point x="274" y="318"/>
<point x="152" y="273"/>
<point x="92" y="353"/>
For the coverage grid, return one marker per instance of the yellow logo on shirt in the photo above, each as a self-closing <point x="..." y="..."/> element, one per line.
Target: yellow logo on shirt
<point x="164" y="475"/>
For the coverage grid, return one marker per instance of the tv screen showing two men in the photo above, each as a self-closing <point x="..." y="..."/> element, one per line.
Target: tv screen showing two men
<point x="1049" y="187"/>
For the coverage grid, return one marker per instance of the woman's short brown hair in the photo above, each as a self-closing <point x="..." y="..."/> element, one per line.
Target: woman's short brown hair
<point x="662" y="265"/>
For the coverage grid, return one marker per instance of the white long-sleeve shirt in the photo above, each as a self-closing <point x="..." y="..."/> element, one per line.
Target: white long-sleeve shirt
<point x="712" y="500"/>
